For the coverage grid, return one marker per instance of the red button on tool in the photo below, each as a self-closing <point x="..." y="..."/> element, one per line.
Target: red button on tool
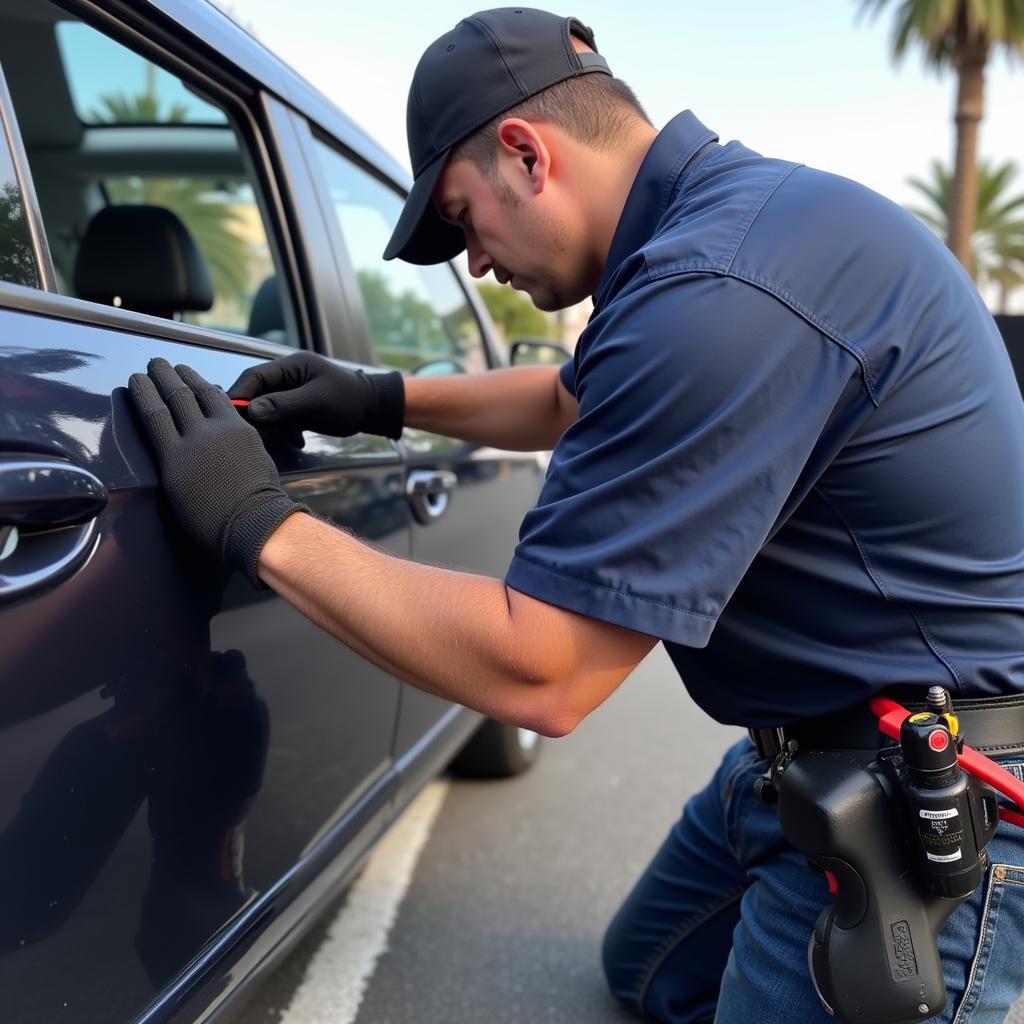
<point x="239" y="403"/>
<point x="833" y="883"/>
<point x="938" y="739"/>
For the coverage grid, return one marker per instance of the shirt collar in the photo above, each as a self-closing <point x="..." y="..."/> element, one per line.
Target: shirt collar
<point x="652" y="190"/>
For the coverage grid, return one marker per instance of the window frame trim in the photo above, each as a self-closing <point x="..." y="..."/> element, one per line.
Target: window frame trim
<point x="333" y="294"/>
<point x="21" y="298"/>
<point x="30" y="203"/>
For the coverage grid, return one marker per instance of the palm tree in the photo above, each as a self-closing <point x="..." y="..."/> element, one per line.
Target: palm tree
<point x="997" y="244"/>
<point x="142" y="108"/>
<point x="963" y="33"/>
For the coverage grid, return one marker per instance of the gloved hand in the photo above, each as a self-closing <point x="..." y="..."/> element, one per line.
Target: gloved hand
<point x="304" y="391"/>
<point x="221" y="483"/>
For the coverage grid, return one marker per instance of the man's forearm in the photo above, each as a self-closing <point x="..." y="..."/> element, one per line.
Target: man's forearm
<point x="465" y="638"/>
<point x="519" y="409"/>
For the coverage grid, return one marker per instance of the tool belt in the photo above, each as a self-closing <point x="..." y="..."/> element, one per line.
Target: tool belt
<point x="994" y="725"/>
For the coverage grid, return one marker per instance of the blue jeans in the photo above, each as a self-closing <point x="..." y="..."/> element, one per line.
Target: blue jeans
<point x="716" y="929"/>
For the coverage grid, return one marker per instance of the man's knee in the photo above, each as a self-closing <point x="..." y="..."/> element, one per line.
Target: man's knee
<point x="621" y="970"/>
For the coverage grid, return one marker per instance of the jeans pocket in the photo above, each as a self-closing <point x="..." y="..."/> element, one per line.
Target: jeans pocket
<point x="995" y="977"/>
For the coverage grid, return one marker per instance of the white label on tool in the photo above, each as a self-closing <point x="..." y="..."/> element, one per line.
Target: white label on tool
<point x="943" y="858"/>
<point x="939" y="815"/>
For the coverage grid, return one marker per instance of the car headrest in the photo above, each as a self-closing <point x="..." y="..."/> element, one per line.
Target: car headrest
<point x="267" y="316"/>
<point x="142" y="258"/>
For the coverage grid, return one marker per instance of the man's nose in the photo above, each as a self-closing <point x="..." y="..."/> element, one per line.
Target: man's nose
<point x="479" y="262"/>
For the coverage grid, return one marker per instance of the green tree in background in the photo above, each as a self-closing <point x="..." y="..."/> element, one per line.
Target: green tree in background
<point x="964" y="34"/>
<point x="142" y="108"/>
<point x="513" y="313"/>
<point x="399" y="319"/>
<point x="198" y="203"/>
<point x="17" y="264"/>
<point x="997" y="244"/>
<point x="408" y="331"/>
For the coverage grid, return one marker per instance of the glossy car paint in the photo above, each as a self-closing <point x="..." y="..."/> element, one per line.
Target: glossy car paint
<point x="188" y="768"/>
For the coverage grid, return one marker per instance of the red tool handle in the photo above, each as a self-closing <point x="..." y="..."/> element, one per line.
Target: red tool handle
<point x="890" y="718"/>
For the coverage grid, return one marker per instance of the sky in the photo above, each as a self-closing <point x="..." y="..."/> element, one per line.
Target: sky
<point x="805" y="80"/>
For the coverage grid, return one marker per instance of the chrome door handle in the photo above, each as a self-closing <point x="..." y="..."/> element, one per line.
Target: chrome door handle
<point x="48" y="510"/>
<point x="429" y="491"/>
<point x="44" y="492"/>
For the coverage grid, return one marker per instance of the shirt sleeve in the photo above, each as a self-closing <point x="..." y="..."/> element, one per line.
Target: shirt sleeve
<point x="701" y="400"/>
<point x="567" y="375"/>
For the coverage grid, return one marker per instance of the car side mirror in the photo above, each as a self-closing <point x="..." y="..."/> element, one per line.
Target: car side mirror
<point x="528" y="352"/>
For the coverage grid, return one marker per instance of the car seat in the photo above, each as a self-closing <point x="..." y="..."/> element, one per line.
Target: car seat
<point x="142" y="258"/>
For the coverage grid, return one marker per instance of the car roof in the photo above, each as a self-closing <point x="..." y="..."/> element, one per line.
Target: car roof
<point x="209" y="28"/>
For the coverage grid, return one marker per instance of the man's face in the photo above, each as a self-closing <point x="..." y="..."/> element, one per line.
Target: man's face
<point x="525" y="238"/>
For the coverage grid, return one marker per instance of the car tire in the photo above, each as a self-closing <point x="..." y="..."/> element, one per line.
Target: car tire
<point x="497" y="751"/>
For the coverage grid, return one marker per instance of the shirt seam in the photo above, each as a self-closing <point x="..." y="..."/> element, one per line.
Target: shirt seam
<point x="744" y="229"/>
<point x="679" y="172"/>
<point x="699" y="159"/>
<point x="925" y="632"/>
<point x="612" y="590"/>
<point x="762" y="284"/>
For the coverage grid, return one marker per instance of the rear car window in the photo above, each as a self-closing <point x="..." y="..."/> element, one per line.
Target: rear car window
<point x="418" y="316"/>
<point x="137" y="174"/>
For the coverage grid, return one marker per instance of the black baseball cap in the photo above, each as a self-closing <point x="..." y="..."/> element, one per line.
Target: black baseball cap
<point x="488" y="63"/>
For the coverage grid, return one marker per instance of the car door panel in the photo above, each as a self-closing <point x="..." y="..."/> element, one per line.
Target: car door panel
<point x="154" y="711"/>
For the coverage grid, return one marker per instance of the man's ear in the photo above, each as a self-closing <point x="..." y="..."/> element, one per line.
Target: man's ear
<point x="527" y="147"/>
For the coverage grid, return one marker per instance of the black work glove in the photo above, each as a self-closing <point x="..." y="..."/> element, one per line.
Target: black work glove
<point x="221" y="483"/>
<point x="304" y="391"/>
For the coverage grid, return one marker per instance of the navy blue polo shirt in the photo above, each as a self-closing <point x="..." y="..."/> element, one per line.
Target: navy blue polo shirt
<point x="799" y="457"/>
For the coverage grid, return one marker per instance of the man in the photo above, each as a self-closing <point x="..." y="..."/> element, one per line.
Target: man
<point x="789" y="446"/>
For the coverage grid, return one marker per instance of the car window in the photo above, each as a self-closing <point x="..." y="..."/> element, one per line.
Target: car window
<point x="17" y="263"/>
<point x="147" y="192"/>
<point x="417" y="315"/>
<point x="96" y="69"/>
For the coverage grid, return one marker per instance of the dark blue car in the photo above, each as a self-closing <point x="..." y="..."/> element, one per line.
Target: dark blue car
<point x="189" y="769"/>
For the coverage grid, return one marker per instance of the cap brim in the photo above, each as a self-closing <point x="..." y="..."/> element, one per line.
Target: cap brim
<point x="421" y="236"/>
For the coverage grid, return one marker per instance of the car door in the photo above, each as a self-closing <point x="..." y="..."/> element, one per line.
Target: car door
<point x="467" y="500"/>
<point x="179" y="753"/>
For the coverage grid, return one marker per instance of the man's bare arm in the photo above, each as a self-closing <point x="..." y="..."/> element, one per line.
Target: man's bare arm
<point x="467" y="638"/>
<point x="524" y="408"/>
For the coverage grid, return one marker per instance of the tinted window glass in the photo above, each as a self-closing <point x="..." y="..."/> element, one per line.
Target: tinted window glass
<point x="224" y="220"/>
<point x="417" y="315"/>
<point x="17" y="263"/>
<point x="104" y="127"/>
<point x="98" y="70"/>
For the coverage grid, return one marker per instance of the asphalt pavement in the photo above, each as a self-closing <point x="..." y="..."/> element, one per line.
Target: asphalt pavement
<point x="503" y="919"/>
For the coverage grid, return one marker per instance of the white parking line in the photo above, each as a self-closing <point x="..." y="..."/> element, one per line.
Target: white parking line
<point x="340" y="970"/>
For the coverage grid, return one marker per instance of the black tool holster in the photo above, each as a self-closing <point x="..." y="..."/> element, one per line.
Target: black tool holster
<point x="898" y="870"/>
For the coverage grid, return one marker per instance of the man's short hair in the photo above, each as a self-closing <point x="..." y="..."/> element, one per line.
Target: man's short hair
<point x="597" y="110"/>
